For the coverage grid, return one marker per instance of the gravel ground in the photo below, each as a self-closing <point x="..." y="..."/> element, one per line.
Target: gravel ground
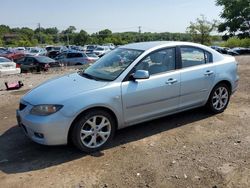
<point x="190" y="149"/>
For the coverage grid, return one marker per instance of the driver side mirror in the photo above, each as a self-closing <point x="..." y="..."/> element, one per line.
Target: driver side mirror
<point x="140" y="74"/>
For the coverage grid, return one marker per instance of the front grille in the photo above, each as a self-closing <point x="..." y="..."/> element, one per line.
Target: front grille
<point x="22" y="106"/>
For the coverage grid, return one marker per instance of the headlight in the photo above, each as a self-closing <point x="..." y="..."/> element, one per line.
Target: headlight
<point x="45" y="109"/>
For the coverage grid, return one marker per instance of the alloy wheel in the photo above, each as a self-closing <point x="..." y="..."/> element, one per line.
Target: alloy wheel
<point x="95" y="131"/>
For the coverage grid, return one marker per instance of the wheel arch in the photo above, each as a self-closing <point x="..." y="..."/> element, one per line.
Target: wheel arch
<point x="111" y="112"/>
<point x="228" y="83"/>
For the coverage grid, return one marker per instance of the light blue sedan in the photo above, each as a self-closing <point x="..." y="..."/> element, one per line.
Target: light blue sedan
<point x="131" y="84"/>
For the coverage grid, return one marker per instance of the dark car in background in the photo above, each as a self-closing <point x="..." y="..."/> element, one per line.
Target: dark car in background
<point x="36" y="63"/>
<point x="76" y="58"/>
<point x="241" y="51"/>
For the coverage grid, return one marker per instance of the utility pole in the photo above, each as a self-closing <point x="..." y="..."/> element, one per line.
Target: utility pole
<point x="39" y="27"/>
<point x="139" y="29"/>
<point x="68" y="39"/>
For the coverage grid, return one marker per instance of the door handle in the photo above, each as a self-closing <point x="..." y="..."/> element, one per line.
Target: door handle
<point x="171" y="81"/>
<point x="208" y="73"/>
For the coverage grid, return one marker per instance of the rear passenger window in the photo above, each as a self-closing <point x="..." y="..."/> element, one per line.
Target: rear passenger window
<point x="192" y="56"/>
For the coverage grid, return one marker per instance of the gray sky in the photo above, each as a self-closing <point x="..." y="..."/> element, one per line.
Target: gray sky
<point x="116" y="15"/>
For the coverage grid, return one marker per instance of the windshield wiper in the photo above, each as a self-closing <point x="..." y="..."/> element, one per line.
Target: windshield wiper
<point x="86" y="75"/>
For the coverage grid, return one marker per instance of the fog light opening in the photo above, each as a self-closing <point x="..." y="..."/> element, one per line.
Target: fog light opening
<point x="38" y="135"/>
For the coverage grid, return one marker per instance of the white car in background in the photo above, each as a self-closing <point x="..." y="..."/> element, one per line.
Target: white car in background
<point x="8" y="67"/>
<point x="101" y="50"/>
<point x="110" y="45"/>
<point x="36" y="51"/>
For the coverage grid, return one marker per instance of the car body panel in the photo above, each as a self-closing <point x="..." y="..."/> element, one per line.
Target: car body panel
<point x="159" y="97"/>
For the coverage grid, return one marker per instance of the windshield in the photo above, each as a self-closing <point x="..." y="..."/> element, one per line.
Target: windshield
<point x="44" y="59"/>
<point x="34" y="51"/>
<point x="90" y="47"/>
<point x="99" y="49"/>
<point x="110" y="66"/>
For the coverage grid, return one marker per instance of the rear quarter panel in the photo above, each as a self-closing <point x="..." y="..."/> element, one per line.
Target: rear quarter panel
<point x="226" y="69"/>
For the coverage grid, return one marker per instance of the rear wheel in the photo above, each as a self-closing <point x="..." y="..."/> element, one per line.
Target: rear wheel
<point x="219" y="98"/>
<point x="93" y="130"/>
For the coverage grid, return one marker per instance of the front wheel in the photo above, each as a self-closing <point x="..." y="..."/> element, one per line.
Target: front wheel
<point x="93" y="131"/>
<point x="219" y="98"/>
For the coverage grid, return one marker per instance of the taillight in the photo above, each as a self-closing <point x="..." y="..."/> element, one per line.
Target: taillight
<point x="89" y="60"/>
<point x="17" y="65"/>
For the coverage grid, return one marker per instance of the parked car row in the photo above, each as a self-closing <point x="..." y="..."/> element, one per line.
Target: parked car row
<point x="38" y="59"/>
<point x="75" y="58"/>
<point x="232" y="51"/>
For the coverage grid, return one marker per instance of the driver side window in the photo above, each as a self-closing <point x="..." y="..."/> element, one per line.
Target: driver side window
<point x="158" y="62"/>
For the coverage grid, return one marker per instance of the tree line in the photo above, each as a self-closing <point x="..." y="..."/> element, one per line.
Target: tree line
<point x="235" y="29"/>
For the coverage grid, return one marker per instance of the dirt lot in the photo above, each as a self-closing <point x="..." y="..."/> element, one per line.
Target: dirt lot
<point x="191" y="149"/>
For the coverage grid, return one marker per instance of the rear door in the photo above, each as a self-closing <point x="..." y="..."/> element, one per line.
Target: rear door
<point x="156" y="96"/>
<point x="197" y="76"/>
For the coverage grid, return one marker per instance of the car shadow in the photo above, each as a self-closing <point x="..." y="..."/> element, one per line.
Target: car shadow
<point x="19" y="154"/>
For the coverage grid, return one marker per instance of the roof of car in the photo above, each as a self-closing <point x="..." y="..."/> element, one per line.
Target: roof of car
<point x="148" y="45"/>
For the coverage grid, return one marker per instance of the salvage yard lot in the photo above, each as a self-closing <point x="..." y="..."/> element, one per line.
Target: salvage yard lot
<point x="190" y="149"/>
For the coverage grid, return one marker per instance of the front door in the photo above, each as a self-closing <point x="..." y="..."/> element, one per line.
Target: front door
<point x="154" y="97"/>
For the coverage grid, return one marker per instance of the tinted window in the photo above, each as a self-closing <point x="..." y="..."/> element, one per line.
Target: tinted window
<point x="61" y="56"/>
<point x="158" y="62"/>
<point x="192" y="56"/>
<point x="78" y="55"/>
<point x="71" y="55"/>
<point x="44" y="59"/>
<point x="29" y="60"/>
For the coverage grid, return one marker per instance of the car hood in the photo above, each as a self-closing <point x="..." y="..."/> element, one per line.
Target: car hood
<point x="57" y="90"/>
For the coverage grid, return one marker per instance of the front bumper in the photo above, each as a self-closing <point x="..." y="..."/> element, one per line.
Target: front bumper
<point x="46" y="130"/>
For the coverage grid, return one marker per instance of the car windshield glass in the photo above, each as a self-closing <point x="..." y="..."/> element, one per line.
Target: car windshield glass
<point x="99" y="48"/>
<point x="44" y="59"/>
<point x="110" y="66"/>
<point x="4" y="60"/>
<point x="90" y="47"/>
<point x="34" y="51"/>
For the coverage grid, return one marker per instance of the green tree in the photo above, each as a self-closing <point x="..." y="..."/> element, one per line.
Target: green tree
<point x="201" y="29"/>
<point x="81" y="38"/>
<point x="236" y="15"/>
<point x="104" y="34"/>
<point x="51" y="31"/>
<point x="1" y="42"/>
<point x="70" y="30"/>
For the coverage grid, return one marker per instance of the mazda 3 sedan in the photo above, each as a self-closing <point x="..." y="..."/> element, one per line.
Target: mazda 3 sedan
<point x="131" y="84"/>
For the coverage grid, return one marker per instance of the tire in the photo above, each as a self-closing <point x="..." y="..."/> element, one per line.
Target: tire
<point x="86" y="131"/>
<point x="219" y="98"/>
